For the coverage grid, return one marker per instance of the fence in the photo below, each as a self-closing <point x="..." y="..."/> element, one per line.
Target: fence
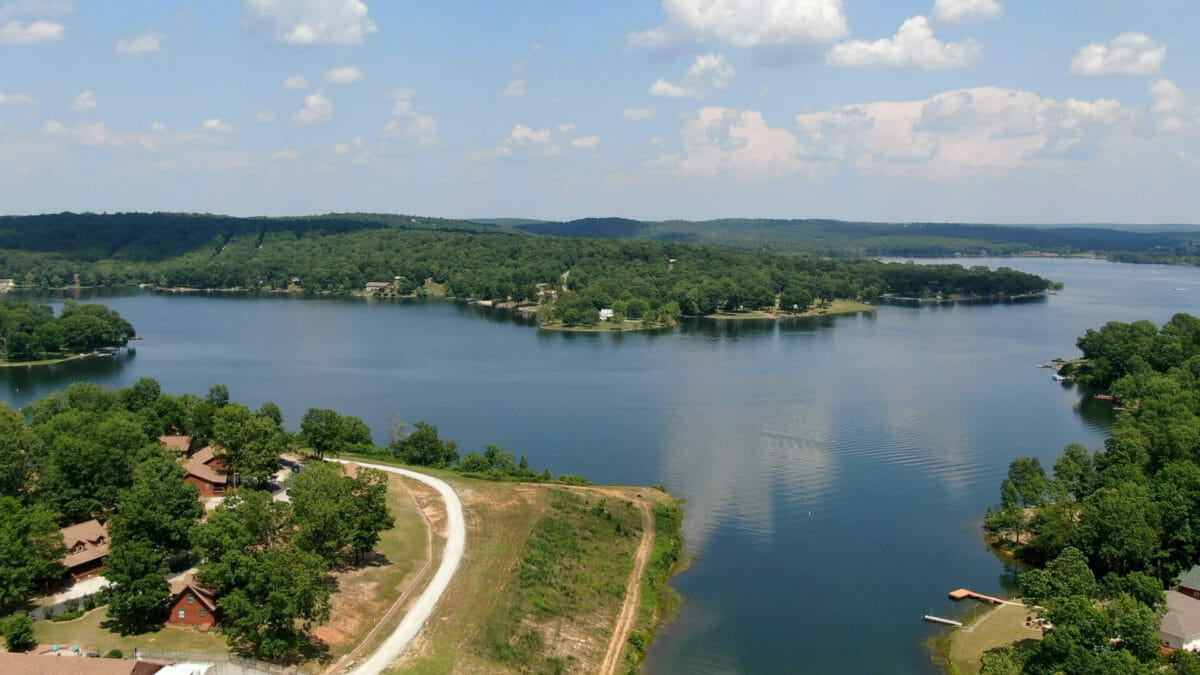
<point x="224" y="664"/>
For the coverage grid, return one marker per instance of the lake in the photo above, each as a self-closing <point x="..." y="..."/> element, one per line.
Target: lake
<point x="835" y="470"/>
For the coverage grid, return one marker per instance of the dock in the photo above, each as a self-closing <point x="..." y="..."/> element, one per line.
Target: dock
<point x="937" y="619"/>
<point x="963" y="593"/>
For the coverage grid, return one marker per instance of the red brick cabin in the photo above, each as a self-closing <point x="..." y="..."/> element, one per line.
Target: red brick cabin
<point x="87" y="546"/>
<point x="207" y="473"/>
<point x="192" y="605"/>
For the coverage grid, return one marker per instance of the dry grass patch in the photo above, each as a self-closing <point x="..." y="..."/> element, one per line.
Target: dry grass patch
<point x="999" y="627"/>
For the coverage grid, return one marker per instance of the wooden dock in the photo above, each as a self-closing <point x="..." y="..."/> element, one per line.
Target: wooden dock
<point x="963" y="593"/>
<point x="937" y="619"/>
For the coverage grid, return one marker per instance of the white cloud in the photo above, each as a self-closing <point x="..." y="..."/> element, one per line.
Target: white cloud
<point x="98" y="135"/>
<point x="746" y="23"/>
<point x="312" y="22"/>
<point x="215" y="124"/>
<point x="708" y="70"/>
<point x="142" y="43"/>
<point x="317" y="110"/>
<point x="953" y="11"/>
<point x="587" y="142"/>
<point x="285" y="154"/>
<point x="86" y="100"/>
<point x="409" y="124"/>
<point x="638" y="114"/>
<point x="913" y="46"/>
<point x="344" y="75"/>
<point x="16" y="99"/>
<point x="1170" y="109"/>
<point x="295" y="82"/>
<point x="264" y="117"/>
<point x="17" y="33"/>
<point x="737" y="142"/>
<point x="1126" y="54"/>
<point x="517" y="87"/>
<point x="547" y="143"/>
<point x="158" y="127"/>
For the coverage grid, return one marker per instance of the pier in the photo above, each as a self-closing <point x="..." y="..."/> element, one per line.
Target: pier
<point x="964" y="593"/>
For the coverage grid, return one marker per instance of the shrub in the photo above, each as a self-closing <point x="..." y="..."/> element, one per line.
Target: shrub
<point x="18" y="633"/>
<point x="114" y="654"/>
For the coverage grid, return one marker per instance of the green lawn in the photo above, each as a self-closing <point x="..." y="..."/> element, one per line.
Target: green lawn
<point x="1001" y="626"/>
<point x="87" y="633"/>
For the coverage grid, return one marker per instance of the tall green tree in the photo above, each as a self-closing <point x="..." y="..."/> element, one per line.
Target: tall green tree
<point x="323" y="430"/>
<point x="248" y="444"/>
<point x="139" y="595"/>
<point x="423" y="448"/>
<point x="30" y="549"/>
<point x="160" y="508"/>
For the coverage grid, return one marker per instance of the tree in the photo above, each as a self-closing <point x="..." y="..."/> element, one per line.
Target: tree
<point x="1120" y="528"/>
<point x="18" y="633"/>
<point x="18" y="447"/>
<point x="1026" y="483"/>
<point x="143" y="394"/>
<point x="323" y="430"/>
<point x="272" y="412"/>
<point x="218" y="396"/>
<point x="336" y="514"/>
<point x="248" y="444"/>
<point x="1065" y="576"/>
<point x="139" y="593"/>
<point x="160" y="508"/>
<point x="423" y="448"/>
<point x="371" y="515"/>
<point x="30" y="549"/>
<point x="1075" y="471"/>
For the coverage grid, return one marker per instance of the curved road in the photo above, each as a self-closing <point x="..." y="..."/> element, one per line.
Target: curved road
<point x="456" y="538"/>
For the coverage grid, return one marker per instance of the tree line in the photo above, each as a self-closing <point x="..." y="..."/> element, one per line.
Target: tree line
<point x="1108" y="531"/>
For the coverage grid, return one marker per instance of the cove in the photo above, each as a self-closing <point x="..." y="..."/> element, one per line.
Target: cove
<point x="835" y="470"/>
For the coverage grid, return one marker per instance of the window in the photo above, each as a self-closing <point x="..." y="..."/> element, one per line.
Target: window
<point x="191" y="599"/>
<point x="183" y="613"/>
<point x="203" y="613"/>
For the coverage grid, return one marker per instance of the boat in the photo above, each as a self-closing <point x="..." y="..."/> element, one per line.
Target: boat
<point x="1181" y="288"/>
<point x="1059" y="378"/>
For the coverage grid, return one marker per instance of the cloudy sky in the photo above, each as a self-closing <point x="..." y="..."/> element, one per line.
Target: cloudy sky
<point x="1012" y="111"/>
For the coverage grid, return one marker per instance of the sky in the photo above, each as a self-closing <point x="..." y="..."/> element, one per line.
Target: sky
<point x="997" y="111"/>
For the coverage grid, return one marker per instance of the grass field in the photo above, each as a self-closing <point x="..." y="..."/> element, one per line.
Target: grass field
<point x="998" y="627"/>
<point x="87" y="633"/>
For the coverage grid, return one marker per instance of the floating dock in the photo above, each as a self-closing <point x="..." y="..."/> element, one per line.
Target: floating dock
<point x="937" y="619"/>
<point x="963" y="593"/>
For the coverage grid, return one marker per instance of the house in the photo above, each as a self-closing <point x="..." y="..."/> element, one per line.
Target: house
<point x="192" y="605"/>
<point x="1181" y="624"/>
<point x="177" y="444"/>
<point x="6" y="284"/>
<point x="207" y="472"/>
<point x="606" y="315"/>
<point x="87" y="546"/>
<point x="379" y="287"/>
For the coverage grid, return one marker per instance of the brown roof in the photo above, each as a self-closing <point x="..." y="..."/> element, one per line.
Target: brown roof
<point x="1183" y="617"/>
<point x="49" y="664"/>
<point x="90" y="534"/>
<point x="176" y="443"/>
<point x="188" y="583"/>
<point x="199" y="465"/>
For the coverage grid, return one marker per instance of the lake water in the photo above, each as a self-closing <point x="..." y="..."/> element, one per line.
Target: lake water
<point x="836" y="470"/>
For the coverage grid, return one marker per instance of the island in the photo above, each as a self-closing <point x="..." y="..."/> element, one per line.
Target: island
<point x="30" y="334"/>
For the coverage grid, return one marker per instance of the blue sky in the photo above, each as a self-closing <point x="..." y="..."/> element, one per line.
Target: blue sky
<point x="1010" y="111"/>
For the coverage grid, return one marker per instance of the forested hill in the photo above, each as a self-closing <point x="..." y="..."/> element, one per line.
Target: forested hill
<point x="842" y="238"/>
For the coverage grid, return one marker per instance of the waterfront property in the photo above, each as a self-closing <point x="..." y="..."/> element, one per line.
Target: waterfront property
<point x="207" y="473"/>
<point x="87" y="546"/>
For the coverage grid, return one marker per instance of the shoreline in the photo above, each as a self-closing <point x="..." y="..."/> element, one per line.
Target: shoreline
<point x="46" y="362"/>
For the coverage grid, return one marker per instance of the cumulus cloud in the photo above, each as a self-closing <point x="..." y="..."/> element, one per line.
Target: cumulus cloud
<point x="142" y="43"/>
<point x="517" y="87"/>
<point x="98" y="135"/>
<point x="953" y="11"/>
<point x="638" y="114"/>
<point x="1126" y="54"/>
<point x="16" y="99"/>
<point x="587" y="142"/>
<point x="215" y="124"/>
<point x="343" y="75"/>
<point x="17" y="33"/>
<point x="409" y="124"/>
<point x="746" y="23"/>
<point x="707" y="71"/>
<point x="913" y="46"/>
<point x="86" y="100"/>
<point x="1170" y="109"/>
<point x="735" y="142"/>
<point x="312" y="22"/>
<point x="295" y="82"/>
<point x="546" y="143"/>
<point x="317" y="110"/>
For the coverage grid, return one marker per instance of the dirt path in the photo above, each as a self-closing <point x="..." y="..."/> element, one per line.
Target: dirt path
<point x="456" y="537"/>
<point x="633" y="592"/>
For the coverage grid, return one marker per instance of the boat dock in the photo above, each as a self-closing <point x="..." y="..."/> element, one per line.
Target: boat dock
<point x="937" y="619"/>
<point x="963" y="593"/>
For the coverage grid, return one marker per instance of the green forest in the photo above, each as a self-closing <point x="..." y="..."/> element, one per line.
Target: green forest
<point x="29" y="331"/>
<point x="1107" y="532"/>
<point x="648" y="280"/>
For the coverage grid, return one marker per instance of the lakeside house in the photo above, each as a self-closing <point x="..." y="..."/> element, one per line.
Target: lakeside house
<point x="606" y="315"/>
<point x="87" y="546"/>
<point x="207" y="473"/>
<point x="6" y="284"/>
<point x="178" y="444"/>
<point x="1181" y="624"/>
<point x="192" y="605"/>
<point x="379" y="287"/>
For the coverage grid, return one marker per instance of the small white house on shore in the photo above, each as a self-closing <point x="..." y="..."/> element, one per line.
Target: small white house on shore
<point x="606" y="315"/>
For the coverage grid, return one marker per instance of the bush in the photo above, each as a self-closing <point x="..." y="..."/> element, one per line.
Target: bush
<point x="71" y="605"/>
<point x="571" y="479"/>
<point x="18" y="633"/>
<point x="114" y="654"/>
<point x="67" y="616"/>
